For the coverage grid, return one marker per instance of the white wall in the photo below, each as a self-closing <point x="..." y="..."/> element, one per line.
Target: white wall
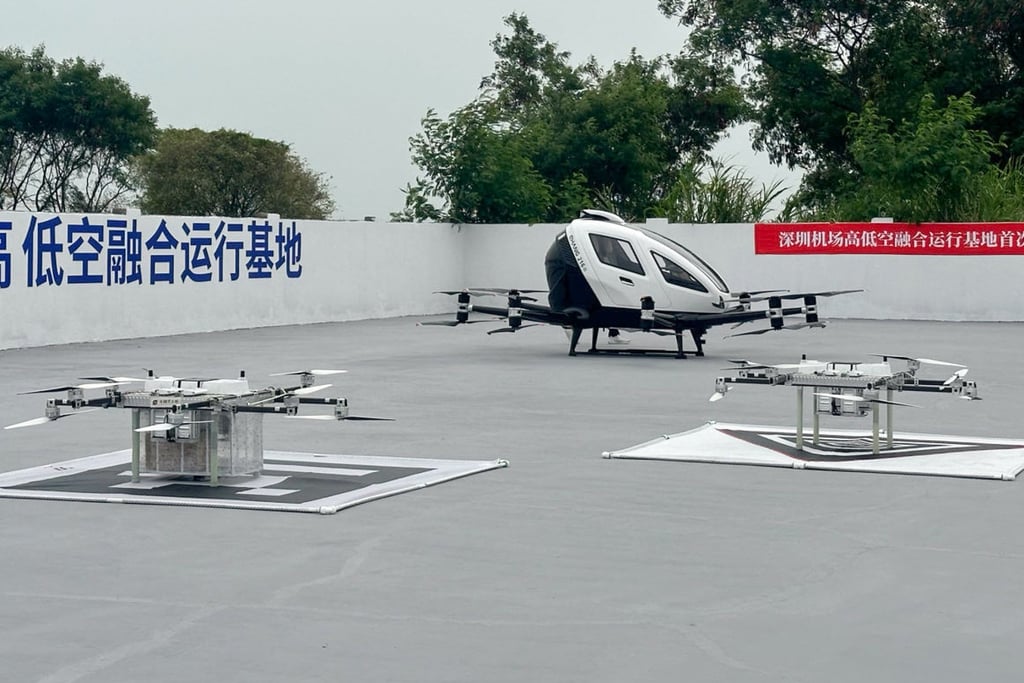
<point x="369" y="270"/>
<point x="979" y="288"/>
<point x="349" y="271"/>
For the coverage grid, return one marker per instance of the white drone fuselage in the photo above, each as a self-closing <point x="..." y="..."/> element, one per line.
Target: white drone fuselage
<point x="623" y="264"/>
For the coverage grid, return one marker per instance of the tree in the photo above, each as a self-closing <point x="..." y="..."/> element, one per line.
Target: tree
<point x="484" y="172"/>
<point x="931" y="166"/>
<point x="67" y="134"/>
<point x="228" y="173"/>
<point x="813" y="64"/>
<point x="545" y="138"/>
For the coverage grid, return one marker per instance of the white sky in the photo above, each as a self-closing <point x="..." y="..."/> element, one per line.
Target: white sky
<point x="345" y="83"/>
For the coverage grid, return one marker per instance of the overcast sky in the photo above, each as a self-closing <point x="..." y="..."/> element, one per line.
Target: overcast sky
<point x="345" y="83"/>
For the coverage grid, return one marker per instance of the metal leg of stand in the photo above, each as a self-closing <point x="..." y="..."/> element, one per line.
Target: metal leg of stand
<point x="888" y="419"/>
<point x="214" y="456"/>
<point x="800" y="418"/>
<point x="136" y="446"/>
<point x="874" y="428"/>
<point x="816" y="424"/>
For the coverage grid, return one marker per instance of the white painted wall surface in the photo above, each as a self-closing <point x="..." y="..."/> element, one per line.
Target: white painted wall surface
<point x="349" y="271"/>
<point x="977" y="288"/>
<point x="355" y="270"/>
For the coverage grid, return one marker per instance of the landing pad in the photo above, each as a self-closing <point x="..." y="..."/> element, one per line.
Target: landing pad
<point x="844" y="450"/>
<point x="290" y="482"/>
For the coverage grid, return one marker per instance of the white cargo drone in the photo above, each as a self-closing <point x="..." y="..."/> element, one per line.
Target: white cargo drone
<point x="602" y="273"/>
<point x="196" y="426"/>
<point x="849" y="389"/>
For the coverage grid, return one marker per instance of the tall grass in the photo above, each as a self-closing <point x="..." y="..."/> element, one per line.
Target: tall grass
<point x="714" y="192"/>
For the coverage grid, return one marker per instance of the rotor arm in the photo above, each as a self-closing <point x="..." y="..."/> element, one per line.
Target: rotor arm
<point x="967" y="389"/>
<point x="75" y="403"/>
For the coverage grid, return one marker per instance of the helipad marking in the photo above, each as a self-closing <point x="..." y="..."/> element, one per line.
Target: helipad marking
<point x="309" y="482"/>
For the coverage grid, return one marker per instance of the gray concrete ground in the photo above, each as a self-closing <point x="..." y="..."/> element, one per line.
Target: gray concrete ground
<point x="564" y="566"/>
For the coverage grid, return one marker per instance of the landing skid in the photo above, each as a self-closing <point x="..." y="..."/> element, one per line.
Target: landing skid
<point x="638" y="352"/>
<point x="698" y="338"/>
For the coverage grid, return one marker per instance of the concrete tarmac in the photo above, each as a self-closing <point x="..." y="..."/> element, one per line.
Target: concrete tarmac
<point x="562" y="567"/>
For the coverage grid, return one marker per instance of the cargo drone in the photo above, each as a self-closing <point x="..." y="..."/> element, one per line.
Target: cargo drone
<point x="603" y="273"/>
<point x="206" y="428"/>
<point x="849" y="389"/>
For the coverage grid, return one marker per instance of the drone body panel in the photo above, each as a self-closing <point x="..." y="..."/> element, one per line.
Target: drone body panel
<point x="622" y="265"/>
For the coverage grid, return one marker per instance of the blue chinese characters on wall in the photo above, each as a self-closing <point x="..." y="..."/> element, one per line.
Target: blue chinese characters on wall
<point x="98" y="250"/>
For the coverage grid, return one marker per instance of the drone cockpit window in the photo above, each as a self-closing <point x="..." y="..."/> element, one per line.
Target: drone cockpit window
<point x="675" y="274"/>
<point x="616" y="253"/>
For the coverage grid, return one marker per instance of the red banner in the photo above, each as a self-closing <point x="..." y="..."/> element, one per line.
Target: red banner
<point x="933" y="239"/>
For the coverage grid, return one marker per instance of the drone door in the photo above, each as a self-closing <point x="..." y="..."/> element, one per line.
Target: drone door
<point x="620" y="273"/>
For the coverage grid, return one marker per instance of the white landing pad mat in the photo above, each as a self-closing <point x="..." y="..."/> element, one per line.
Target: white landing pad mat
<point x="290" y="482"/>
<point x="846" y="450"/>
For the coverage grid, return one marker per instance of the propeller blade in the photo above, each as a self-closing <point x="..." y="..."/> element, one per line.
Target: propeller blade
<point x="800" y="326"/>
<point x="318" y="373"/>
<point x="311" y="390"/>
<point x="158" y="427"/>
<point x="751" y="297"/>
<point x="959" y="374"/>
<point x="835" y="292"/>
<point x="43" y="420"/>
<point x="453" y="323"/>
<point x="794" y="326"/>
<point x="332" y="417"/>
<point x="72" y="387"/>
<point x="929" y="361"/>
<point x="471" y="292"/>
<point x="845" y="397"/>
<point x="499" y="290"/>
<point x="745" y="334"/>
<point x="281" y="395"/>
<point x="717" y="396"/>
<point x="894" y="403"/>
<point x="113" y="380"/>
<point x="168" y="426"/>
<point x="31" y="423"/>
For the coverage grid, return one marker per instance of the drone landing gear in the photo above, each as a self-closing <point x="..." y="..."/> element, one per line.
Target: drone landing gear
<point x="696" y="334"/>
<point x="575" y="339"/>
<point x="698" y="341"/>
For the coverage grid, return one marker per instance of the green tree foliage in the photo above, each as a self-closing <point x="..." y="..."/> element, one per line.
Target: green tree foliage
<point x="545" y="137"/>
<point x="228" y="173"/>
<point x="67" y="134"/>
<point x="932" y="166"/>
<point x="814" y="63"/>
